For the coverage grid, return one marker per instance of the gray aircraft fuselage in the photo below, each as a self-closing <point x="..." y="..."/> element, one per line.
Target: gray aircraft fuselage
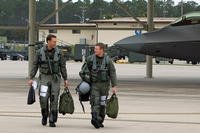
<point x="173" y="41"/>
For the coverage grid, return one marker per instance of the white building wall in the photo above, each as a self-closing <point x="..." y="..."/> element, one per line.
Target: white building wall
<point x="108" y="33"/>
<point x="110" y="37"/>
<point x="66" y="36"/>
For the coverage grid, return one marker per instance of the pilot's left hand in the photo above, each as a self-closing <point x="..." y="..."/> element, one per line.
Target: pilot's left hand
<point x="114" y="90"/>
<point x="66" y="83"/>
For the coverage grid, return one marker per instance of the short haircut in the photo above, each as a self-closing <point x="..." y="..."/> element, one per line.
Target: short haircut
<point x="101" y="45"/>
<point x="49" y="37"/>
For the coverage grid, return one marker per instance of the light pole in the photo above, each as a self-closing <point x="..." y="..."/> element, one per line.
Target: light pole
<point x="83" y="14"/>
<point x="150" y="12"/>
<point x="57" y="14"/>
<point x="32" y="33"/>
<point x="82" y="18"/>
<point x="75" y="15"/>
<point x="164" y="9"/>
<point x="182" y="4"/>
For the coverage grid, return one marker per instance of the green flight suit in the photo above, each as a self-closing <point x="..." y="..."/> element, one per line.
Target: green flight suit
<point x="100" y="78"/>
<point x="51" y="66"/>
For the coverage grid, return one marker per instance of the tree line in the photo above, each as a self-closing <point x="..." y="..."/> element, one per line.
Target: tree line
<point x="15" y="12"/>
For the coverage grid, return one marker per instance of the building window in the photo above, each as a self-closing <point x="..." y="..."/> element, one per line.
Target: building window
<point x="76" y="31"/>
<point x="52" y="30"/>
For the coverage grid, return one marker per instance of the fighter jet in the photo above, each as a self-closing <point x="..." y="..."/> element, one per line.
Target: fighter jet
<point x="178" y="40"/>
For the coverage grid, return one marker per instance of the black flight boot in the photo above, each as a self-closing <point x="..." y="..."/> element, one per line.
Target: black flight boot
<point x="102" y="115"/>
<point x="53" y="118"/>
<point x="45" y="114"/>
<point x="95" y="121"/>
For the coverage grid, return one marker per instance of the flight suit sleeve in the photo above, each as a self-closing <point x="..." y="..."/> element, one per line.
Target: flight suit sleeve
<point x="35" y="66"/>
<point x="84" y="70"/>
<point x="112" y="74"/>
<point x="85" y="65"/>
<point x="63" y="67"/>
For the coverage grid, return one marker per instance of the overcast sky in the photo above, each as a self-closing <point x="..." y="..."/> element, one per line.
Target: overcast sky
<point x="176" y="1"/>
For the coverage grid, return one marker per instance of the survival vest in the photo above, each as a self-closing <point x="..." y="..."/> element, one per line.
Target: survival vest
<point x="99" y="73"/>
<point x="49" y="65"/>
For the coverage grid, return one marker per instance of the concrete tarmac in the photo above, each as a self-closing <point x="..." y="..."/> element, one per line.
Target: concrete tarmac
<point x="168" y="103"/>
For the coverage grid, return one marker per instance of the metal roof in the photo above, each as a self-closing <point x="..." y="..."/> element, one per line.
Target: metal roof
<point x="131" y="20"/>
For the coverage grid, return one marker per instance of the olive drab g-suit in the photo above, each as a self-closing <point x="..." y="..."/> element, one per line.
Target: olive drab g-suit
<point x="51" y="66"/>
<point x="99" y="72"/>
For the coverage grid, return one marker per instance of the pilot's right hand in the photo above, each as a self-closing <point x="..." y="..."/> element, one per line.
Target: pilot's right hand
<point x="66" y="83"/>
<point x="30" y="82"/>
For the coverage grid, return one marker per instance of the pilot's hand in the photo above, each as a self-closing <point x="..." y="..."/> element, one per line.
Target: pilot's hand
<point x="66" y="83"/>
<point x="30" y="82"/>
<point x="114" y="90"/>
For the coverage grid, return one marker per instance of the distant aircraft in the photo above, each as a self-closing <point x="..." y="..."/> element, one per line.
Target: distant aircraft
<point x="179" y="40"/>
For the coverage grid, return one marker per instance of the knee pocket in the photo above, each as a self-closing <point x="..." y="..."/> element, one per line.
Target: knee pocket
<point x="52" y="98"/>
<point x="94" y="100"/>
<point x="103" y="100"/>
<point x="43" y="102"/>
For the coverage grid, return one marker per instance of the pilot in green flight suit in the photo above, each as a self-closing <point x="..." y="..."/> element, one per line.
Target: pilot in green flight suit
<point x="52" y="65"/>
<point x="102" y="72"/>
